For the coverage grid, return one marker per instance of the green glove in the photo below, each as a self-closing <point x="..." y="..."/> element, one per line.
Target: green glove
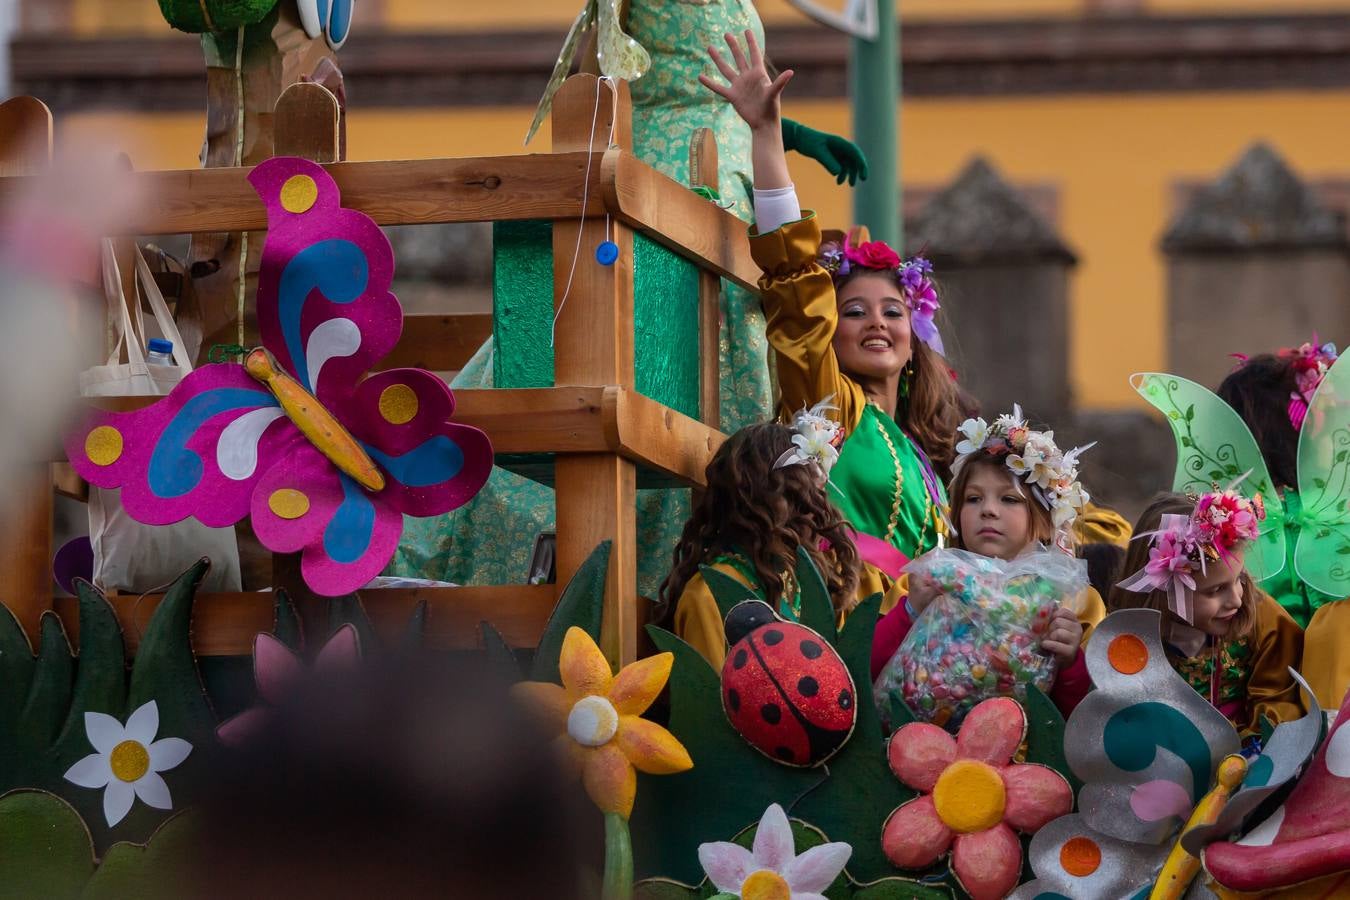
<point x="840" y="156"/>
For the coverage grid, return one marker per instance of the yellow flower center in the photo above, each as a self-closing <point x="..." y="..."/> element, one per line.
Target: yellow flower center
<point x="592" y="721"/>
<point x="129" y="761"/>
<point x="765" y="885"/>
<point x="969" y="796"/>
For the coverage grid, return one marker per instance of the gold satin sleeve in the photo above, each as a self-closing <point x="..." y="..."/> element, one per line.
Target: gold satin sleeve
<point x="1102" y="525"/>
<point x="801" y="313"/>
<point x="1090" y="613"/>
<point x="1277" y="644"/>
<point x="1326" y="654"/>
<point x="698" y="621"/>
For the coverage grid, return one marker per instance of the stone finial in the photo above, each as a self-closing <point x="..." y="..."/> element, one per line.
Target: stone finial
<point x="1259" y="203"/>
<point x="980" y="218"/>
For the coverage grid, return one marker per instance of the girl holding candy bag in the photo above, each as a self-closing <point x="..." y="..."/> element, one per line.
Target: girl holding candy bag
<point x="999" y="610"/>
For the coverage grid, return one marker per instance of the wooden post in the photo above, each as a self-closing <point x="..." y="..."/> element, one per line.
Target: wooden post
<point x="703" y="173"/>
<point x="306" y="124"/>
<point x="26" y="539"/>
<point x="593" y="345"/>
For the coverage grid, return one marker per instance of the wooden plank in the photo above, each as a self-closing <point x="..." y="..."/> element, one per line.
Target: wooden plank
<point x="703" y="173"/>
<point x="226" y="624"/>
<point x="392" y="192"/>
<point x="593" y="344"/>
<point x="675" y="216"/>
<point x="439" y="343"/>
<point x="657" y="437"/>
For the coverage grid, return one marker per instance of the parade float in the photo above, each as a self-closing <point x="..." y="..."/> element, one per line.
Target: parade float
<point x="780" y="776"/>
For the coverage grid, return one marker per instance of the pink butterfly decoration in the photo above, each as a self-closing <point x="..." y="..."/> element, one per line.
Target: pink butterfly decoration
<point x="221" y="447"/>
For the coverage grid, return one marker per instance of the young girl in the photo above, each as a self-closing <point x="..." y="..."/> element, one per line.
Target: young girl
<point x="1013" y="490"/>
<point x="766" y="496"/>
<point x="1231" y="641"/>
<point x="852" y="324"/>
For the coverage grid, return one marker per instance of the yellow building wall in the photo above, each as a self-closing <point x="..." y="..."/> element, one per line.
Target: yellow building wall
<point x="142" y="16"/>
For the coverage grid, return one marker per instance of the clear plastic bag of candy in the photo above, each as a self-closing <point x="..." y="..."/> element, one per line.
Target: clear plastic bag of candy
<point x="981" y="636"/>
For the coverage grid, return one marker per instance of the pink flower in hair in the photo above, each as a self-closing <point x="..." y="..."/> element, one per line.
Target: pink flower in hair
<point x="872" y="255"/>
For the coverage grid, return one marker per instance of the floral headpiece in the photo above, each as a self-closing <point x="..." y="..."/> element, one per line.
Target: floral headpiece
<point x="817" y="439"/>
<point x="1310" y="362"/>
<point x="1032" y="456"/>
<point x="1222" y="522"/>
<point x="912" y="275"/>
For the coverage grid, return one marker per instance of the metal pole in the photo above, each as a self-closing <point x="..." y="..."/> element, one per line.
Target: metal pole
<point x="874" y="77"/>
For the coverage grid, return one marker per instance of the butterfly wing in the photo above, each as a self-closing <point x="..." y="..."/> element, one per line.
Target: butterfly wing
<point x="431" y="464"/>
<point x="196" y="452"/>
<point x="1322" y="553"/>
<point x="324" y="307"/>
<point x="345" y="535"/>
<point x="1214" y="446"/>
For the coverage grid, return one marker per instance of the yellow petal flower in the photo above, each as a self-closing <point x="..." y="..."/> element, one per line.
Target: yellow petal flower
<point x="583" y="667"/>
<point x="548" y="701"/>
<point x="638" y="684"/>
<point x="610" y="779"/>
<point x="572" y="755"/>
<point x="651" y="748"/>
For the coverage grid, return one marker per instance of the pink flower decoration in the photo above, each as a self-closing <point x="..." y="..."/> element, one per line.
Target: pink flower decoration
<point x="276" y="669"/>
<point x="773" y="868"/>
<point x="973" y="797"/>
<point x="872" y="255"/>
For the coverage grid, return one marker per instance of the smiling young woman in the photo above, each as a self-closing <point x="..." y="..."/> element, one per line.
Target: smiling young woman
<point x="853" y="323"/>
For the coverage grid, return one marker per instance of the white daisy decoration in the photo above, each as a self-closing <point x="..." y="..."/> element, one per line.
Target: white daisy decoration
<point x="976" y="432"/>
<point x="772" y="869"/>
<point x="127" y="761"/>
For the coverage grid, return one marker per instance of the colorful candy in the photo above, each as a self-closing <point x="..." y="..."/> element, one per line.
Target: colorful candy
<point x="981" y="636"/>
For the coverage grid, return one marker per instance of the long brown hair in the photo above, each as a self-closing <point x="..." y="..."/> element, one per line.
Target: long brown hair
<point x="1138" y="556"/>
<point x="1042" y="526"/>
<point x="766" y="513"/>
<point x="930" y="411"/>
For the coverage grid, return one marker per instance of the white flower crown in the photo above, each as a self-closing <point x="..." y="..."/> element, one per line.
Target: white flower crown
<point x="817" y="438"/>
<point x="1032" y="456"/>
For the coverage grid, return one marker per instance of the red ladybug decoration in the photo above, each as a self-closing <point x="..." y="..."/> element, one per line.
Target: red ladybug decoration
<point x="785" y="689"/>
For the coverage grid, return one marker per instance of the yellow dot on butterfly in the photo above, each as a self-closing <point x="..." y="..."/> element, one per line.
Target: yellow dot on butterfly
<point x="103" y="445"/>
<point x="398" y="404"/>
<point x="299" y="194"/>
<point x="288" y="503"/>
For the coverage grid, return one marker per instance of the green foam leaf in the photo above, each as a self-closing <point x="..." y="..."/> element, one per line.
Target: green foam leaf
<point x="45" y="850"/>
<point x="582" y="604"/>
<point x="817" y="608"/>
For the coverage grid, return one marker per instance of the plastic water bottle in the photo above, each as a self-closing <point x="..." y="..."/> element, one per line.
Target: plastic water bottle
<point x="161" y="353"/>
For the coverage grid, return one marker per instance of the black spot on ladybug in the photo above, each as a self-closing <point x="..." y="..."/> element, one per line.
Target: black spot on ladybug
<point x="734" y="700"/>
<point x="738" y="662"/>
<point x="811" y="650"/>
<point x="784" y="753"/>
<point x="845" y="699"/>
<point x="773" y="637"/>
<point x="771" y="712"/>
<point x="808" y="686"/>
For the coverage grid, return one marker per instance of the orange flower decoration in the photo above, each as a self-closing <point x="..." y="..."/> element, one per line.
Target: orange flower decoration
<point x="598" y="715"/>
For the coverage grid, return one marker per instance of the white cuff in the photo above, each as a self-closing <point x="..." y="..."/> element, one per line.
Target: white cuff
<point x="776" y="207"/>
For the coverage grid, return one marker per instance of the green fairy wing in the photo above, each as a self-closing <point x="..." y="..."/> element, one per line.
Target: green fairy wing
<point x="584" y="20"/>
<point x="1322" y="554"/>
<point x="1214" y="446"/>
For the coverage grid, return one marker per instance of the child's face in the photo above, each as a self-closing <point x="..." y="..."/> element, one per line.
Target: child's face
<point x="1218" y="596"/>
<point x="994" y="519"/>
<point x="872" y="339"/>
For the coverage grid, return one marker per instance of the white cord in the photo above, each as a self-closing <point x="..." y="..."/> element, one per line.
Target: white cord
<point x="586" y="190"/>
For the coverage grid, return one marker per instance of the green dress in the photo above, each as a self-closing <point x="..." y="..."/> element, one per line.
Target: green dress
<point x="865" y="490"/>
<point x="489" y="540"/>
